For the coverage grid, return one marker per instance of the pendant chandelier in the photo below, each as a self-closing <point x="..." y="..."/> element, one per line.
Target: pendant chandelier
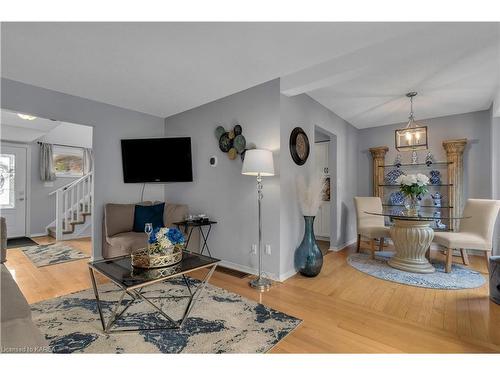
<point x="414" y="135"/>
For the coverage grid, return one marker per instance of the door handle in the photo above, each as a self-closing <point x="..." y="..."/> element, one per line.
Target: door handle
<point x="21" y="199"/>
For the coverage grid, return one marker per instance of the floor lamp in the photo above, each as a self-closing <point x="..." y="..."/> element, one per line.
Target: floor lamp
<point x="259" y="163"/>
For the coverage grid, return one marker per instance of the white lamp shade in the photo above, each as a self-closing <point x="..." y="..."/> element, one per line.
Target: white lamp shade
<point x="258" y="162"/>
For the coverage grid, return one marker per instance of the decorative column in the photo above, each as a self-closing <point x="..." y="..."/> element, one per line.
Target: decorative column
<point x="454" y="156"/>
<point x="378" y="155"/>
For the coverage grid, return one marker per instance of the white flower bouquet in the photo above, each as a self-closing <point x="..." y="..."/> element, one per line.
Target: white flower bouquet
<point x="413" y="185"/>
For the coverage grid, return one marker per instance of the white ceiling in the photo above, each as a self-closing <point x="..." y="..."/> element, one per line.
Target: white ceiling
<point x="13" y="128"/>
<point x="453" y="67"/>
<point x="359" y="70"/>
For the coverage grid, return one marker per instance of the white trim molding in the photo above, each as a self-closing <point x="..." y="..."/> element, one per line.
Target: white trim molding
<point x="342" y="246"/>
<point x="250" y="270"/>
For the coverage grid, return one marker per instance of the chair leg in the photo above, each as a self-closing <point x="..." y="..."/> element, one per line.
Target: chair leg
<point x="449" y="259"/>
<point x="381" y="246"/>
<point x="465" y="257"/>
<point x="372" y="248"/>
<point x="359" y="243"/>
<point x="487" y="255"/>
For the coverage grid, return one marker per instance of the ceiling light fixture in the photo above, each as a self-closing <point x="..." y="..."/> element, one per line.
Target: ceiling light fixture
<point x="26" y="117"/>
<point x="414" y="136"/>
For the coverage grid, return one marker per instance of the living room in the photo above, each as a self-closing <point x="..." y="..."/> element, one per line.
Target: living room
<point x="300" y="215"/>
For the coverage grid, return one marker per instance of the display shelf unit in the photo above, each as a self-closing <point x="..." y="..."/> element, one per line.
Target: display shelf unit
<point x="436" y="163"/>
<point x="422" y="205"/>
<point x="429" y="186"/>
<point x="451" y="188"/>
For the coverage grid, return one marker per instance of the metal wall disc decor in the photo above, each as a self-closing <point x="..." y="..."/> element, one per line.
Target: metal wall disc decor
<point x="219" y="130"/>
<point x="232" y="142"/>
<point x="239" y="143"/>
<point x="225" y="143"/>
<point x="231" y="154"/>
<point x="299" y="146"/>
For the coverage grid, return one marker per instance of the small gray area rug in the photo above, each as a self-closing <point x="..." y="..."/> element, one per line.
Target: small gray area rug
<point x="13" y="243"/>
<point x="220" y="322"/>
<point x="46" y="255"/>
<point x="459" y="277"/>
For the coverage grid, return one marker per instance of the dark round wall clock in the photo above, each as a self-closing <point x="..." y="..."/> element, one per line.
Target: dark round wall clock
<point x="299" y="146"/>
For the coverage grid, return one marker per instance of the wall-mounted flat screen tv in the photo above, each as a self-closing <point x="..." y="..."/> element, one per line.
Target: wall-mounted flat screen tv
<point x="157" y="160"/>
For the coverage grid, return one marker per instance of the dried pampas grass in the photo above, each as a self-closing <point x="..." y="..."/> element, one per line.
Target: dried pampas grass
<point x="309" y="194"/>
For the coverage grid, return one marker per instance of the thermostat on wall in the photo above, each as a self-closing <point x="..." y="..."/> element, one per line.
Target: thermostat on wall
<point x="212" y="161"/>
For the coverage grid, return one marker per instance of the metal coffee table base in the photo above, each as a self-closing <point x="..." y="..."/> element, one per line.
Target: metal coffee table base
<point x="136" y="294"/>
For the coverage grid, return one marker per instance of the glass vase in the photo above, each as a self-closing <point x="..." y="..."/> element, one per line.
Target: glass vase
<point x="308" y="258"/>
<point x="412" y="205"/>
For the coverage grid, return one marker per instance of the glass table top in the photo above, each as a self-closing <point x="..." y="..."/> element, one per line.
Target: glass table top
<point x="422" y="215"/>
<point x="121" y="271"/>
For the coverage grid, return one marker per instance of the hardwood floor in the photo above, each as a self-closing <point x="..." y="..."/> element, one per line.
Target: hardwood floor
<point x="343" y="310"/>
<point x="41" y="283"/>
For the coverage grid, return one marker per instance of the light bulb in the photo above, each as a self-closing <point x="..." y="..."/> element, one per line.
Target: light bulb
<point x="408" y="136"/>
<point x="26" y="117"/>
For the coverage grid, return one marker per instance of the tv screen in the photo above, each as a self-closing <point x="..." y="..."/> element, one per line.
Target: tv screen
<point x="157" y="160"/>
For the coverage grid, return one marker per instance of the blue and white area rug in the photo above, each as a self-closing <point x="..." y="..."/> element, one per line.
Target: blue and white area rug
<point x="220" y="322"/>
<point x="46" y="255"/>
<point x="459" y="278"/>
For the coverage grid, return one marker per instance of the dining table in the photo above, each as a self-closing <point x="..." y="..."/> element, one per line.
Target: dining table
<point x="412" y="234"/>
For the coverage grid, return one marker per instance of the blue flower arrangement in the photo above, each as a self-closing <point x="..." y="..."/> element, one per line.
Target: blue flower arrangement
<point x="175" y="236"/>
<point x="166" y="238"/>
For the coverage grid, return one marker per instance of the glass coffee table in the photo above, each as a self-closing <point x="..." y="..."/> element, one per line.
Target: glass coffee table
<point x="133" y="281"/>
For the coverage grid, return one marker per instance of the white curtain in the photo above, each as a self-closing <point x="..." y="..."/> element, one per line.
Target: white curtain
<point x="88" y="160"/>
<point x="46" y="162"/>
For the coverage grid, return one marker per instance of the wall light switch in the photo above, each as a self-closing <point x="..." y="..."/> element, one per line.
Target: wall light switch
<point x="254" y="249"/>
<point x="268" y="249"/>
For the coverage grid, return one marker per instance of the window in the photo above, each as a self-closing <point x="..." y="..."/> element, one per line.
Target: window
<point x="68" y="161"/>
<point x="7" y="180"/>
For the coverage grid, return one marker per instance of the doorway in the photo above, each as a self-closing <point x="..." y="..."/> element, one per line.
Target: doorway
<point x="325" y="154"/>
<point x="322" y="171"/>
<point x="13" y="172"/>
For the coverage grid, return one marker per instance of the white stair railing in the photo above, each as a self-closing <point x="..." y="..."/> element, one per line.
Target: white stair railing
<point x="72" y="201"/>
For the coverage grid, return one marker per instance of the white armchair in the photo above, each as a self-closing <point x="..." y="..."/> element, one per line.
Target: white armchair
<point x="475" y="233"/>
<point x="370" y="226"/>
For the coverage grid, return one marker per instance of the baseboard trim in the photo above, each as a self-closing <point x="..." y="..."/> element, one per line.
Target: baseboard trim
<point x="342" y="246"/>
<point x="287" y="275"/>
<point x="250" y="270"/>
<point x="38" y="234"/>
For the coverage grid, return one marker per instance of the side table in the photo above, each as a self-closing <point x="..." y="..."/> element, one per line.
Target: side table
<point x="197" y="224"/>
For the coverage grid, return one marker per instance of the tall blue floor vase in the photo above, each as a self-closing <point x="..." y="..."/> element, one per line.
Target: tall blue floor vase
<point x="308" y="258"/>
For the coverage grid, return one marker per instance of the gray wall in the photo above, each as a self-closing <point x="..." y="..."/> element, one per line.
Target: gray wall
<point x="110" y="124"/>
<point x="495" y="174"/>
<point x="222" y="192"/>
<point x="474" y="126"/>
<point x="305" y="112"/>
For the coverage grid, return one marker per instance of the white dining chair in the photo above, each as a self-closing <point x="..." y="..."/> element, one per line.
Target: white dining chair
<point x="370" y="226"/>
<point x="475" y="231"/>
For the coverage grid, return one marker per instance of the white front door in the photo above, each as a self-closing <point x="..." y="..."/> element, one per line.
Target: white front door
<point x="13" y="189"/>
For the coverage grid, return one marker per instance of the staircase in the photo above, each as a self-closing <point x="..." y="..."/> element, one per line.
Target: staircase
<point x="73" y="210"/>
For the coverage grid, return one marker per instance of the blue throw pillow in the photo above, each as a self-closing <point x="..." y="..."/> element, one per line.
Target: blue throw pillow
<point x="148" y="214"/>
